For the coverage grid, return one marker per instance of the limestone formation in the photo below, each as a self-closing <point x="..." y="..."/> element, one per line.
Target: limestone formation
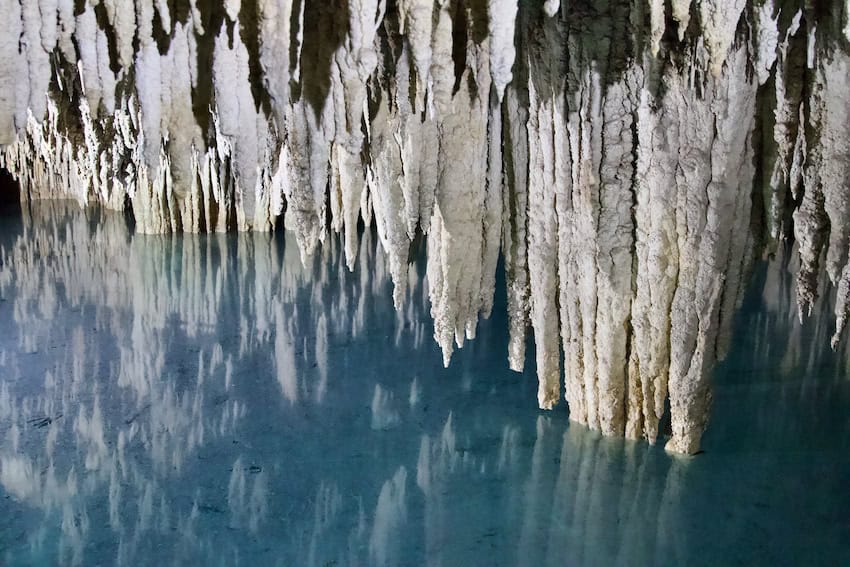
<point x="628" y="160"/>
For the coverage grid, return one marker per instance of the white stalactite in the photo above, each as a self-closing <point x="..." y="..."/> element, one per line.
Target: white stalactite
<point x="9" y="63"/>
<point x="501" y="26"/>
<point x="719" y="20"/>
<point x="682" y="15"/>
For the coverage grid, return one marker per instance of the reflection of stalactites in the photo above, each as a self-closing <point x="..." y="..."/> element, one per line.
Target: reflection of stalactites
<point x="415" y="393"/>
<point x="669" y="518"/>
<point x="145" y="508"/>
<point x="248" y="506"/>
<point x="75" y="527"/>
<point x="114" y="497"/>
<point x="321" y="350"/>
<point x="437" y="458"/>
<point x="390" y="517"/>
<point x="369" y="280"/>
<point x="18" y="477"/>
<point x="284" y="355"/>
<point x="7" y="403"/>
<point x="90" y="434"/>
<point x="326" y="510"/>
<point x="508" y="448"/>
<point x="236" y="490"/>
<point x="134" y="286"/>
<point x="257" y="507"/>
<point x="577" y="511"/>
<point x="532" y="540"/>
<point x="384" y="414"/>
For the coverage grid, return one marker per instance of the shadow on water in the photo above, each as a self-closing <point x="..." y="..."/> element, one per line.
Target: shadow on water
<point x="10" y="194"/>
<point x="10" y="207"/>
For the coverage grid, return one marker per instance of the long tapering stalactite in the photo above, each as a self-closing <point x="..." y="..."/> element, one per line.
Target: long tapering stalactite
<point x="628" y="160"/>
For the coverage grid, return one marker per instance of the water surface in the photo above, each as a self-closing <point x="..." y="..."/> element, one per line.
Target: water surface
<point x="208" y="399"/>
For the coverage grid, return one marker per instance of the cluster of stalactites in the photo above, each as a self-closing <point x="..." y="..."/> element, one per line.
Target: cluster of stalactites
<point x="612" y="164"/>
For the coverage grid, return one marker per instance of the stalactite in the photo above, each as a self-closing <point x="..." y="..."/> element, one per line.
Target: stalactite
<point x="627" y="161"/>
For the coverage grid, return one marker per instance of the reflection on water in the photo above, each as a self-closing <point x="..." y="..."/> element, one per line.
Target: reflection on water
<point x="209" y="399"/>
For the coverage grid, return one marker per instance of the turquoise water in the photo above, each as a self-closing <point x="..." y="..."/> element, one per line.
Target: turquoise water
<point x="209" y="400"/>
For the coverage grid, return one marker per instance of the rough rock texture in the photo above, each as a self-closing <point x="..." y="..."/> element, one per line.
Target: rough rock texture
<point x="627" y="160"/>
